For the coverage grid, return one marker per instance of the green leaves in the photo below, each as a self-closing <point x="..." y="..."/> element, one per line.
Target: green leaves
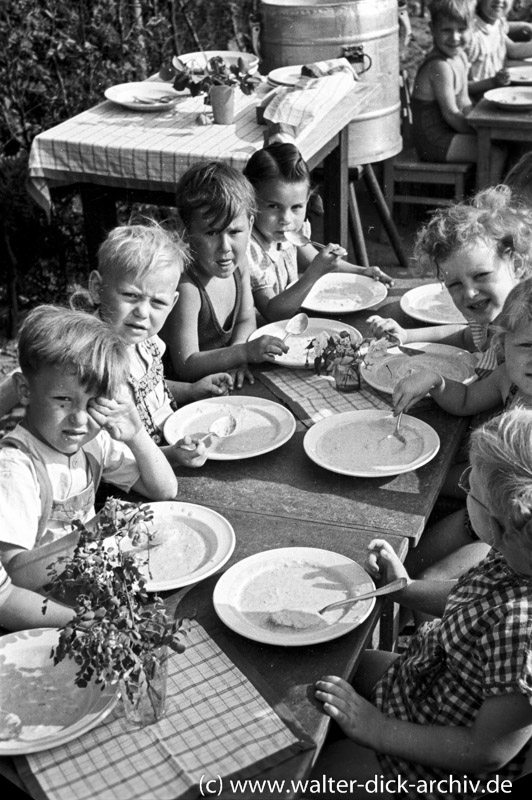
<point x="118" y="629"/>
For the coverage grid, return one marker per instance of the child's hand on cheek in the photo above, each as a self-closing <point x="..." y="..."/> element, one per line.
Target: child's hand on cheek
<point x="119" y="417"/>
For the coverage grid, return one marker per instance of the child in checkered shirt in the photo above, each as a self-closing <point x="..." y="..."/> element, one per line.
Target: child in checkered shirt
<point x="458" y="702"/>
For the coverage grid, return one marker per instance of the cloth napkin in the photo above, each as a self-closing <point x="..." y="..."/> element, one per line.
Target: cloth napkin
<point x="313" y="397"/>
<point x="298" y="106"/>
<point x="217" y="724"/>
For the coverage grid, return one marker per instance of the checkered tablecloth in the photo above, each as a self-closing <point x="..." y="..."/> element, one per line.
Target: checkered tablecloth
<point x="313" y="397"/>
<point x="217" y="724"/>
<point x="113" y="146"/>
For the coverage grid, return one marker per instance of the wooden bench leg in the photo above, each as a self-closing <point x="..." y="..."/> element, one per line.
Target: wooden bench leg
<point x="384" y="212"/>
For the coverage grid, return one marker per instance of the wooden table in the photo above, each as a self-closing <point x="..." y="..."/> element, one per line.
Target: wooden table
<point x="113" y="154"/>
<point x="493" y="124"/>
<point x="282" y="499"/>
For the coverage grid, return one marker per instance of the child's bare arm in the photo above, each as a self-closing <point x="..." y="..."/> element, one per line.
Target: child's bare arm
<point x="442" y="82"/>
<point x="428" y="596"/>
<point x="518" y="50"/>
<point x="30" y="568"/>
<point x="454" y="397"/>
<point x="183" y="342"/>
<point x="456" y="335"/>
<point x="22" y="609"/>
<point x="501" y="729"/>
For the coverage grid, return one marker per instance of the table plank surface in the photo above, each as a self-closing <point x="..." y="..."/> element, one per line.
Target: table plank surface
<point x="286" y="483"/>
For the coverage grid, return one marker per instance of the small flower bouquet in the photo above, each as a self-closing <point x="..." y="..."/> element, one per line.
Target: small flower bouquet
<point x="199" y="79"/>
<point x="341" y="354"/>
<point x="120" y="634"/>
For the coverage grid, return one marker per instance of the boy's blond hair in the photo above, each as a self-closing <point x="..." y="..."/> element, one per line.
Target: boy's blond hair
<point x="502" y="450"/>
<point x="216" y="189"/>
<point x="76" y="342"/>
<point x="135" y="250"/>
<point x="456" y="10"/>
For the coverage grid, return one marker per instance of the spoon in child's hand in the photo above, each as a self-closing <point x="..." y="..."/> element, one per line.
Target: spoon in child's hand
<point x="296" y="326"/>
<point x="300" y="240"/>
<point x="221" y="428"/>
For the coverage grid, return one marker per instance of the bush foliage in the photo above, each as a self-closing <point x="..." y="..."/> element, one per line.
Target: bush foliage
<point x="56" y="58"/>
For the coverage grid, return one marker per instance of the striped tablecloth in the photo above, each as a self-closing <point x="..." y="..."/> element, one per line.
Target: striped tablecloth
<point x="113" y="146"/>
<point x="217" y="725"/>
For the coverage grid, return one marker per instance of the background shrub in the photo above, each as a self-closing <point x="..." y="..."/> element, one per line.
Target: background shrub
<point x="56" y="59"/>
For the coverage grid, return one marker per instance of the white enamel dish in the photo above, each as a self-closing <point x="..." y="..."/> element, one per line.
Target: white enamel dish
<point x="431" y="303"/>
<point x="298" y="357"/>
<point x="451" y="362"/>
<point x="343" y="293"/>
<point x="510" y="98"/>
<point x="358" y="444"/>
<point x="191" y="543"/>
<point x="520" y="76"/>
<point x="51" y="708"/>
<point x="261" y="425"/>
<point x="143" y="96"/>
<point x="291" y="577"/>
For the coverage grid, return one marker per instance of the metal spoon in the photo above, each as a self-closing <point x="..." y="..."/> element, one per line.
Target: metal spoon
<point x="296" y="326"/>
<point x="221" y="428"/>
<point x="308" y="618"/>
<point x="394" y="586"/>
<point x="300" y="240"/>
<point x="396" y="433"/>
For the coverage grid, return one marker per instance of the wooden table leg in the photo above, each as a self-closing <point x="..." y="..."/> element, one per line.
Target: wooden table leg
<point x="483" y="158"/>
<point x="99" y="216"/>
<point x="335" y="191"/>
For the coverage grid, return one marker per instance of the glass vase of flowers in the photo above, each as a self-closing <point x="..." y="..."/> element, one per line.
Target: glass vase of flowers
<point x="341" y="355"/>
<point x="120" y="635"/>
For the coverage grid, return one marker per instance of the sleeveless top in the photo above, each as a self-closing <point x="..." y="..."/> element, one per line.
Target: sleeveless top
<point x="432" y="134"/>
<point x="144" y="386"/>
<point x="72" y="507"/>
<point x="212" y="335"/>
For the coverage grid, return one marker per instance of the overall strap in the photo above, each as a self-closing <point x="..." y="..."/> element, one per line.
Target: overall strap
<point x="45" y="485"/>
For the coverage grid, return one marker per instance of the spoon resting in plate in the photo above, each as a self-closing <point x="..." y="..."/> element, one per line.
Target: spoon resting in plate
<point x="301" y="618"/>
<point x="296" y="326"/>
<point x="300" y="240"/>
<point x="221" y="428"/>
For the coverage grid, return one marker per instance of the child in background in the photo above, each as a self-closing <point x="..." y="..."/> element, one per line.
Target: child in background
<point x="490" y="46"/>
<point x="480" y="250"/>
<point x="135" y="288"/>
<point x="458" y="702"/>
<point x="451" y="546"/>
<point x="214" y="315"/>
<point x="282" y="184"/>
<point x="80" y="425"/>
<point x="440" y="100"/>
